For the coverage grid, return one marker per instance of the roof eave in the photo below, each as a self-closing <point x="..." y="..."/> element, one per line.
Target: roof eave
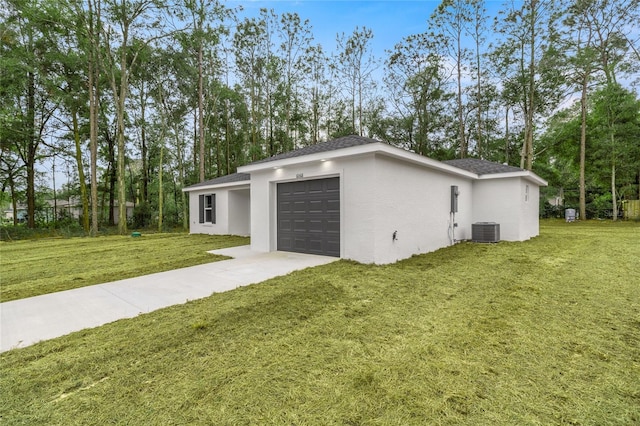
<point x="526" y="174"/>
<point x="421" y="160"/>
<point x="238" y="185"/>
<point x="371" y="148"/>
<point x="311" y="158"/>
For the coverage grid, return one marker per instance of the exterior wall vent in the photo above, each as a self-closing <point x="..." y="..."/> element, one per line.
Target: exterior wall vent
<point x="485" y="232"/>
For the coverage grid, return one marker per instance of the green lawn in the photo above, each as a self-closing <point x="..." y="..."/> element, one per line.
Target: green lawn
<point x="541" y="332"/>
<point x="34" y="267"/>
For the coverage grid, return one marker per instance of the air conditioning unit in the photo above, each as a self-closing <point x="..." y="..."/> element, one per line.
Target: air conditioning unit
<point x="485" y="232"/>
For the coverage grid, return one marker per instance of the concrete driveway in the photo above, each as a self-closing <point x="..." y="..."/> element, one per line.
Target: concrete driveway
<point x="27" y="321"/>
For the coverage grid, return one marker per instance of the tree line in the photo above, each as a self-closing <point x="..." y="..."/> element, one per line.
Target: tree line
<point x="141" y="98"/>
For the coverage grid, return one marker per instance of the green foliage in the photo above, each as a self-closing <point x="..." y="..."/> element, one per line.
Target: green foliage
<point x="268" y="89"/>
<point x="615" y="120"/>
<point x="613" y="131"/>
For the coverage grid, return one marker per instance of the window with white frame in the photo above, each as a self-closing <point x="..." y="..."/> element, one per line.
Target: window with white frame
<point x="207" y="204"/>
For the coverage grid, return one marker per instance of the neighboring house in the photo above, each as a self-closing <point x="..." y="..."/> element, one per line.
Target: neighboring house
<point x="362" y="199"/>
<point x="70" y="208"/>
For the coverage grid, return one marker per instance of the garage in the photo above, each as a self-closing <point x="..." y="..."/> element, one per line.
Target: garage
<point x="309" y="216"/>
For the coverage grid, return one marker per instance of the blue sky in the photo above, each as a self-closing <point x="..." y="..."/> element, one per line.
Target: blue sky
<point x="390" y="20"/>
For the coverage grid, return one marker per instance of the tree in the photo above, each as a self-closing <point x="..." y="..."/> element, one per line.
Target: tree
<point x="450" y="22"/>
<point x="295" y="47"/>
<point x="596" y="42"/>
<point x="92" y="24"/>
<point x="250" y="59"/>
<point x="528" y="54"/>
<point x="356" y="65"/>
<point x="137" y="30"/>
<point x="70" y="57"/>
<point x="207" y="18"/>
<point x="28" y="37"/>
<point x="484" y="93"/>
<point x="616" y="118"/>
<point x="316" y="69"/>
<point x="417" y="85"/>
<point x="582" y="64"/>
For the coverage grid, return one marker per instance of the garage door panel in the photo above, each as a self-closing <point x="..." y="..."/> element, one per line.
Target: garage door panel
<point x="316" y="206"/>
<point x="297" y="188"/>
<point x="315" y="245"/>
<point x="285" y="225"/>
<point x="333" y="246"/>
<point x="309" y="216"/>
<point x="332" y="185"/>
<point x="333" y="206"/>
<point x="332" y="226"/>
<point x="315" y="226"/>
<point x="299" y="225"/>
<point x="299" y="244"/>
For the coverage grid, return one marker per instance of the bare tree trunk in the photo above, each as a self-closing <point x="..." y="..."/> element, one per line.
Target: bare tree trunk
<point x="83" y="183"/>
<point x="583" y="146"/>
<point x="122" y="193"/>
<point x="361" y="130"/>
<point x="526" y="155"/>
<point x="14" y="199"/>
<point x="614" y="195"/>
<point x="506" y="135"/>
<point x="461" y="135"/>
<point x="143" y="147"/>
<point x="113" y="177"/>
<point x="532" y="89"/>
<point x="200" y="114"/>
<point x="479" y="106"/>
<point x="160" y="190"/>
<point x="31" y="151"/>
<point x="94" y="100"/>
<point x="93" y="147"/>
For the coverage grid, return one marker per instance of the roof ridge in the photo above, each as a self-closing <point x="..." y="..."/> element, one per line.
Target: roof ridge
<point x="481" y="166"/>
<point x="327" y="146"/>
<point x="233" y="177"/>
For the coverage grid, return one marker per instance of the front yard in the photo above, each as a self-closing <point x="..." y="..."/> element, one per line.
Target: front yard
<point x="541" y="332"/>
<point x="35" y="267"/>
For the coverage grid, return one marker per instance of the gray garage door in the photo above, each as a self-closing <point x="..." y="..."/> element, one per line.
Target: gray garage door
<point x="309" y="216"/>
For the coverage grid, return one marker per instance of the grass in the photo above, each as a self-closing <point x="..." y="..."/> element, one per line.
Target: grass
<point x="541" y="332"/>
<point x="35" y="267"/>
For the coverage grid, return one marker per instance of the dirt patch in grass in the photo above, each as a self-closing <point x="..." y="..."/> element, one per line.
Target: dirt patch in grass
<point x="541" y="332"/>
<point x="35" y="267"/>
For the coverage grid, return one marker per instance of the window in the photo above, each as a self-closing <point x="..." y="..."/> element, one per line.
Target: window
<point x="207" y="204"/>
<point x="526" y="193"/>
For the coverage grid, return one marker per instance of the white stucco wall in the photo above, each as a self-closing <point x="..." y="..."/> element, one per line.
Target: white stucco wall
<point x="239" y="212"/>
<point x="356" y="215"/>
<point x="416" y="202"/>
<point x="232" y="211"/>
<point x="505" y="201"/>
<point x="378" y="196"/>
<point x="530" y="210"/>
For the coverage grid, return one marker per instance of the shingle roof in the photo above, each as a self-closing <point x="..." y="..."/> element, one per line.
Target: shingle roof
<point x="332" y="145"/>
<point x="234" y="177"/>
<point x="482" y="167"/>
<point x="474" y="165"/>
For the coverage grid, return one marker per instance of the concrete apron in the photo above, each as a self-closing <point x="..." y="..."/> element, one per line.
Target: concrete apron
<point x="28" y="321"/>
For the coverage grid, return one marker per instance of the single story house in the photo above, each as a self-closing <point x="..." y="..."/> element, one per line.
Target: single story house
<point x="71" y="207"/>
<point x="362" y="199"/>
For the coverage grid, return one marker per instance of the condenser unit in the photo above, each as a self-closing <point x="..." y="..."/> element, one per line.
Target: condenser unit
<point x="485" y="232"/>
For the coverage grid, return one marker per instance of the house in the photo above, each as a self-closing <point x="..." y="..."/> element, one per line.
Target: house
<point x="362" y="199"/>
<point x="71" y="208"/>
